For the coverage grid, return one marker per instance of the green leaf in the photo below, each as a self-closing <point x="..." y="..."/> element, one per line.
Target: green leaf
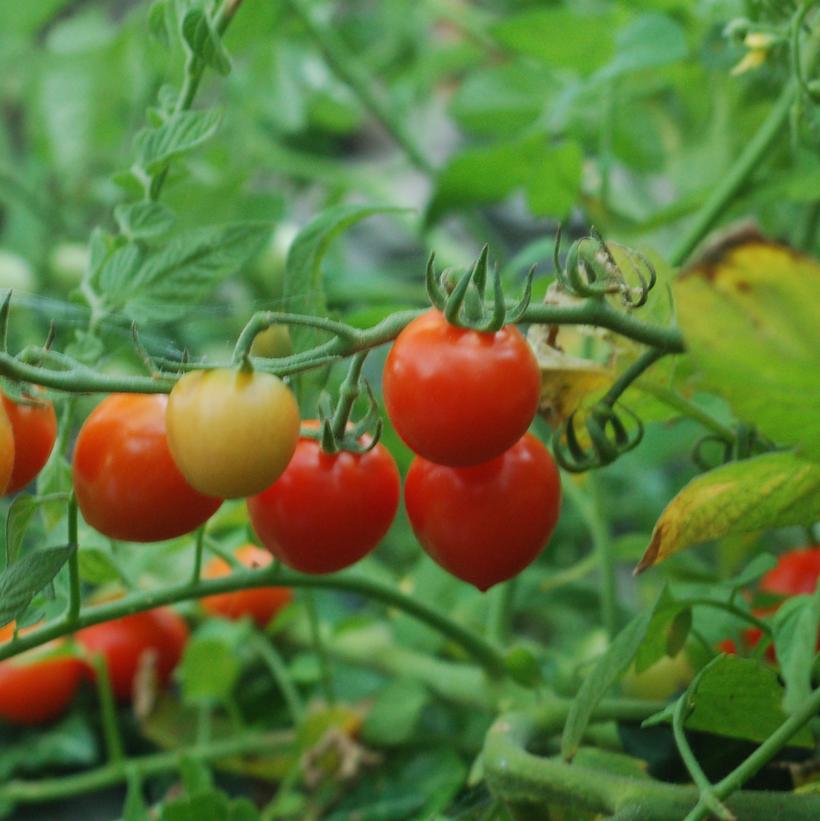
<point x="97" y="566"/>
<point x="796" y="632"/>
<point x="144" y="220"/>
<point x="204" y="42"/>
<point x="303" y="291"/>
<point x="609" y="667"/>
<point x="750" y="316"/>
<point x="757" y="567"/>
<point x="209" y="669"/>
<point x="119" y="269"/>
<point x="649" y="41"/>
<point x="20" y="514"/>
<point x="559" y="37"/>
<point x="171" y="280"/>
<point x="773" y="490"/>
<point x="555" y="180"/>
<point x="28" y="576"/>
<point x="183" y="132"/>
<point x="741" y="698"/>
<point x="196" y="775"/>
<point x="394" y="716"/>
<point x="659" y="633"/>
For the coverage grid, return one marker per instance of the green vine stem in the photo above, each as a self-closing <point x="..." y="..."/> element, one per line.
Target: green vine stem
<point x="275" y="664"/>
<point x="74" y="592"/>
<point x="141" y="767"/>
<point x="71" y="376"/>
<point x="486" y="654"/>
<point x="515" y="775"/>
<point x="752" y="155"/>
<point x="108" y="709"/>
<point x="325" y="675"/>
<point x="199" y="547"/>
<point x="761" y="756"/>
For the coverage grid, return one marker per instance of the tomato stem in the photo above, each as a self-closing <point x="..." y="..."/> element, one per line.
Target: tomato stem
<point x="325" y="675"/>
<point x="108" y="709"/>
<point x="275" y="664"/>
<point x="74" y="592"/>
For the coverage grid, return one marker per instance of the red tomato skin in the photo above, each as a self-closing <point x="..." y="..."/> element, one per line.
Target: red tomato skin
<point x="795" y="572"/>
<point x="486" y="523"/>
<point x="127" y="484"/>
<point x="36" y="689"/>
<point x="327" y="511"/>
<point x="35" y="431"/>
<point x="460" y="397"/>
<point x="123" y="642"/>
<point x="260" y="603"/>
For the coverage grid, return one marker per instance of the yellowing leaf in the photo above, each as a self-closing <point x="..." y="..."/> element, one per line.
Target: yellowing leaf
<point x="750" y="315"/>
<point x="773" y="490"/>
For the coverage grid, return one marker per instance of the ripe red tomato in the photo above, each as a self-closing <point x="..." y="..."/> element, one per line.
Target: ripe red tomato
<point x="485" y="523"/>
<point x="460" y="397"/>
<point x="327" y="510"/>
<point x="795" y="572"/>
<point x="6" y="450"/>
<point x="232" y="433"/>
<point x="125" y="479"/>
<point x="260" y="603"/>
<point x="37" y="686"/>
<point x="35" y="429"/>
<point x="125" y="641"/>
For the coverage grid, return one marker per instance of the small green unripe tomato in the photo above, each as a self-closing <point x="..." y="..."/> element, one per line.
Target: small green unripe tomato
<point x="662" y="680"/>
<point x="231" y="432"/>
<point x="273" y="342"/>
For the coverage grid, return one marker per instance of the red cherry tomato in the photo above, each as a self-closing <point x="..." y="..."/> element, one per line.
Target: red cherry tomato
<point x="6" y="450"/>
<point x="260" y="603"/>
<point x="37" y="686"/>
<point x="125" y="641"/>
<point x="327" y="511"/>
<point x="795" y="572"/>
<point x="35" y="429"/>
<point x="485" y="523"/>
<point x="460" y="397"/>
<point x="126" y="482"/>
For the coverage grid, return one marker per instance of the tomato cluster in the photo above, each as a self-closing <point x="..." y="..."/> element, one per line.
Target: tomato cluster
<point x="482" y="494"/>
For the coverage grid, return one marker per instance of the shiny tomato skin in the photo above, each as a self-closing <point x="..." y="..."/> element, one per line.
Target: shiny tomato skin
<point x="327" y="511"/>
<point x="485" y="523"/>
<point x="36" y="687"/>
<point x="795" y="572"/>
<point x="123" y="642"/>
<point x="35" y="430"/>
<point x="232" y="432"/>
<point x="125" y="479"/>
<point x="460" y="397"/>
<point x="260" y="603"/>
<point x="6" y="451"/>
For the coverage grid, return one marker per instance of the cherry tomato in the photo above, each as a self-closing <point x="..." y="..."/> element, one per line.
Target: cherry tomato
<point x="274" y="341"/>
<point x="460" y="397"/>
<point x="124" y="642"/>
<point x="6" y="450"/>
<point x="667" y="676"/>
<point x="35" y="428"/>
<point x="125" y="479"/>
<point x="232" y="433"/>
<point x="795" y="572"/>
<point x="485" y="523"/>
<point x="37" y="686"/>
<point x="327" y="511"/>
<point x="260" y="603"/>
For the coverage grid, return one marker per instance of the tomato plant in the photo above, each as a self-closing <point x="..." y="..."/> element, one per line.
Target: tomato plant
<point x="127" y="484"/>
<point x="260" y="603"/>
<point x="327" y="510"/>
<point x="231" y="432"/>
<point x="458" y="396"/>
<point x="485" y="523"/>
<point x="34" y="427"/>
<point x="153" y="639"/>
<point x="38" y="686"/>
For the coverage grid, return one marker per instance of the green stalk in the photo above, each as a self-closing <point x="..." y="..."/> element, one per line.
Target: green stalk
<point x="273" y="661"/>
<point x="326" y="677"/>
<point x="108" y="709"/>
<point x="74" y="592"/>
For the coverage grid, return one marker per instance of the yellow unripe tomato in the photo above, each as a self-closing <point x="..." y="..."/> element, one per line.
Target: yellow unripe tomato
<point x="231" y="433"/>
<point x="662" y="680"/>
<point x="272" y="342"/>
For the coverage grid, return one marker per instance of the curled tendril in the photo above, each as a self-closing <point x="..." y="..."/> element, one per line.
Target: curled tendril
<point x="464" y="305"/>
<point x="746" y="442"/>
<point x="590" y="270"/>
<point x="609" y="438"/>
